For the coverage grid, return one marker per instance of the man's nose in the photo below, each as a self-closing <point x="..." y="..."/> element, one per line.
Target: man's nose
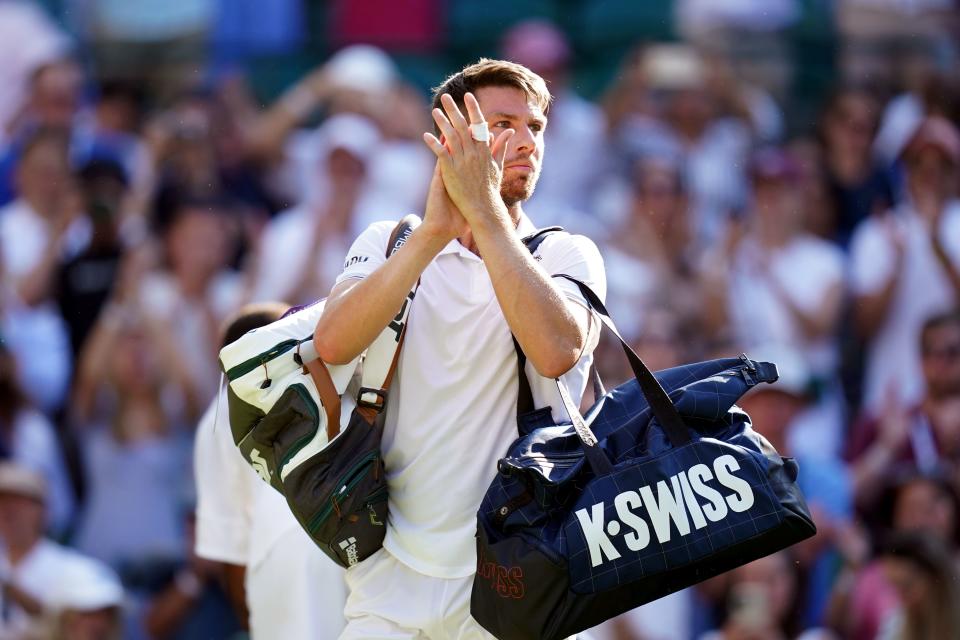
<point x="524" y="139"/>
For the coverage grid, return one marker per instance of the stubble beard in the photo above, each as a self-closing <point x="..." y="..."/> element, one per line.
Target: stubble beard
<point x="519" y="188"/>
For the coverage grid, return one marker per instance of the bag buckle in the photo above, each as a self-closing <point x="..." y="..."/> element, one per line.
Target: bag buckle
<point x="376" y="405"/>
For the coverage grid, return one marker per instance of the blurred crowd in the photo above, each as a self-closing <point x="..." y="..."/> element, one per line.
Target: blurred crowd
<point x="146" y="193"/>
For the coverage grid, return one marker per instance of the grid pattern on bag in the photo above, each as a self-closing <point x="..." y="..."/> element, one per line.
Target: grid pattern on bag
<point x="704" y="394"/>
<point x="680" y="550"/>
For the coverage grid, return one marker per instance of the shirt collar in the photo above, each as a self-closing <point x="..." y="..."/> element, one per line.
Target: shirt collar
<point x="524" y="228"/>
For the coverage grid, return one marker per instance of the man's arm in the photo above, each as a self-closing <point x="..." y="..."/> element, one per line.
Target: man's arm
<point x="551" y="331"/>
<point x="358" y="310"/>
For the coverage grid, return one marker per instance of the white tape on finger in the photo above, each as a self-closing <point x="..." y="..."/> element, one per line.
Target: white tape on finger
<point x="480" y="132"/>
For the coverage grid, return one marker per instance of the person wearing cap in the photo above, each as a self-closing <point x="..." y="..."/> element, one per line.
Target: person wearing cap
<point x="905" y="266"/>
<point x="301" y="249"/>
<point x="31" y="566"/>
<point x="87" y="601"/>
<point x="453" y="404"/>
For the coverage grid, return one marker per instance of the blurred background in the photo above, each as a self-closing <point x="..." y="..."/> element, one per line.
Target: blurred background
<point x="775" y="177"/>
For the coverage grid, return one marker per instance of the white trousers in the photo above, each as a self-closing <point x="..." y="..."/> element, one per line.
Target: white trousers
<point x="296" y="592"/>
<point x="388" y="600"/>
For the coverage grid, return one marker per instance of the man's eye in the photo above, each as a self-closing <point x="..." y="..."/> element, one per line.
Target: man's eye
<point x="502" y="124"/>
<point x="536" y="127"/>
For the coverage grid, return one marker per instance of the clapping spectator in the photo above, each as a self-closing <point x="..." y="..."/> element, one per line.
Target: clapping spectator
<point x="905" y="266"/>
<point x="39" y="230"/>
<point x="927" y="434"/>
<point x="772" y="283"/>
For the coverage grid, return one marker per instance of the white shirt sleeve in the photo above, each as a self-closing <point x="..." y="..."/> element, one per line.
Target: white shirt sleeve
<point x="223" y="490"/>
<point x="578" y="257"/>
<point x="872" y="259"/>
<point x="367" y="252"/>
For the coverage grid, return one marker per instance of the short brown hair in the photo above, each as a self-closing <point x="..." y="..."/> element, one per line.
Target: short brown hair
<point x="494" y="73"/>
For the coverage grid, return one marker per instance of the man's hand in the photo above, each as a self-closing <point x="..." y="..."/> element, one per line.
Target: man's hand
<point x="471" y="169"/>
<point x="442" y="220"/>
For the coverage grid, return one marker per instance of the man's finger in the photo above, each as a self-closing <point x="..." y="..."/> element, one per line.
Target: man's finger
<point x="499" y="147"/>
<point x="436" y="146"/>
<point x="473" y="109"/>
<point x="456" y="118"/>
<point x="451" y="138"/>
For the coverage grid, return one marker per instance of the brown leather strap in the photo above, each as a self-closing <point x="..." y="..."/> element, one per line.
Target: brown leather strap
<point x="369" y="413"/>
<point x="328" y="395"/>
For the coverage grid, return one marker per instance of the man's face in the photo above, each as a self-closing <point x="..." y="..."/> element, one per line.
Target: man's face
<point x="21" y="519"/>
<point x="510" y="108"/>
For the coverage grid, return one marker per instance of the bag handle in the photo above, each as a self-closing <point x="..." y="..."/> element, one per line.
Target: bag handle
<point x="659" y="401"/>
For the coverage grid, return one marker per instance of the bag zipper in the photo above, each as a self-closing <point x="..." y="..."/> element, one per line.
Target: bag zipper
<point x="314" y="413"/>
<point x="248" y="365"/>
<point x="346" y="484"/>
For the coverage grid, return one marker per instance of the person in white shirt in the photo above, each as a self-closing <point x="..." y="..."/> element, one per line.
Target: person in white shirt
<point x="291" y="589"/>
<point x="905" y="266"/>
<point x="453" y="403"/>
<point x="33" y="569"/>
<point x="39" y="230"/>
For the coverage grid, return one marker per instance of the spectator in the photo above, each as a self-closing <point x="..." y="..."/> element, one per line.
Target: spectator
<point x="52" y="103"/>
<point x="28" y="41"/>
<point x="925" y="578"/>
<point x="864" y="600"/>
<point x="37" y="231"/>
<point x="649" y="256"/>
<point x="194" y="289"/>
<point x="824" y="481"/>
<point x="711" y="148"/>
<point x="760" y="603"/>
<point x="129" y="409"/>
<point x="28" y="438"/>
<point x="927" y="434"/>
<point x="31" y="566"/>
<point x="87" y="602"/>
<point x="885" y="42"/>
<point x="301" y="250"/>
<point x="84" y="281"/>
<point x="857" y="183"/>
<point x="775" y="284"/>
<point x="905" y="266"/>
<point x="149" y="41"/>
<point x="748" y="32"/>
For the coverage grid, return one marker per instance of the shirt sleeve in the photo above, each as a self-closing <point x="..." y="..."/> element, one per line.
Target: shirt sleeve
<point x="223" y="490"/>
<point x="575" y="256"/>
<point x="367" y="252"/>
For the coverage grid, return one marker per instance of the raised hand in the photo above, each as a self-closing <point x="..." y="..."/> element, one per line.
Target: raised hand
<point x="442" y="219"/>
<point x="471" y="169"/>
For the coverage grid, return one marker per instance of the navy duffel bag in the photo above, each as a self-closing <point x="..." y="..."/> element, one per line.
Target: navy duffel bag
<point x="662" y="484"/>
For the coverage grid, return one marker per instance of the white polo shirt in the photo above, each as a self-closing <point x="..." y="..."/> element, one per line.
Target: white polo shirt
<point x="452" y="407"/>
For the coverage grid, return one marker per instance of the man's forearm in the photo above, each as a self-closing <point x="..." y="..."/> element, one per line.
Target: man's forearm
<point x="355" y="314"/>
<point x="545" y="325"/>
